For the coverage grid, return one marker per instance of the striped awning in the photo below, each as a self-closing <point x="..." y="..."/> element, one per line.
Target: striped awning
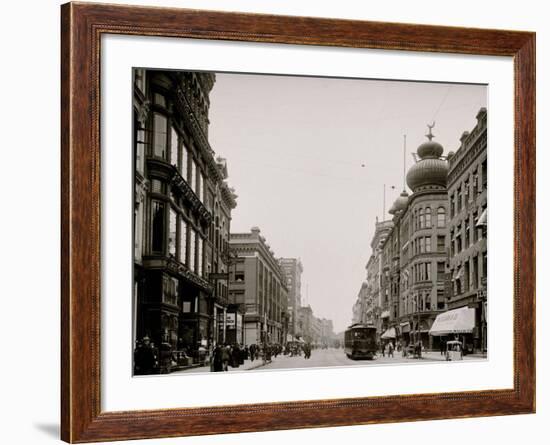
<point x="456" y="321"/>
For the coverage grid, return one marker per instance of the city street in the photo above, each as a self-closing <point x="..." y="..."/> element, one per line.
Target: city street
<point x="332" y="357"/>
<point x="322" y="358"/>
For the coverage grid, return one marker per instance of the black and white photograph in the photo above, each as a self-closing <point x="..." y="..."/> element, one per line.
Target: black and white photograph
<point x="286" y="222"/>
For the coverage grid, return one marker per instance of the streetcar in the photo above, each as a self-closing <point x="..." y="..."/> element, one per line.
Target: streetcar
<point x="360" y="341"/>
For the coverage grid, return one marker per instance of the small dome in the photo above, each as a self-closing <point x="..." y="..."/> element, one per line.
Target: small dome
<point x="430" y="149"/>
<point x="428" y="172"/>
<point x="401" y="202"/>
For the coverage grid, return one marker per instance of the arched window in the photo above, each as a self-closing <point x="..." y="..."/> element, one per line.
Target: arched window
<point x="421" y="224"/>
<point x="441" y="217"/>
<point x="428" y="217"/>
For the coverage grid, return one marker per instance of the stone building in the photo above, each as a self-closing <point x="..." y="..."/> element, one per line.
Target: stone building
<point x="376" y="305"/>
<point x="182" y="211"/>
<point x="258" y="285"/>
<point x="292" y="270"/>
<point x="414" y="252"/>
<point x="467" y="188"/>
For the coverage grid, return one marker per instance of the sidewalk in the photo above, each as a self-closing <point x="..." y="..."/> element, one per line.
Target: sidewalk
<point x="436" y="355"/>
<point x="247" y="366"/>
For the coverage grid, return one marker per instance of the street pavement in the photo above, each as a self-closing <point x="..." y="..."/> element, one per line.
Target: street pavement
<point x="321" y="358"/>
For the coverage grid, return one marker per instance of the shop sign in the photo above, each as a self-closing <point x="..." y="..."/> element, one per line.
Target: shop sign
<point x="230" y="321"/>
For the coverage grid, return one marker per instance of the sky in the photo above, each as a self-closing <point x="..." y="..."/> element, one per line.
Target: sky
<point x="309" y="156"/>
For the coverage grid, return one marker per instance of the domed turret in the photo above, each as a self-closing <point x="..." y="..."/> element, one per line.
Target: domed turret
<point x="401" y="202"/>
<point x="430" y="170"/>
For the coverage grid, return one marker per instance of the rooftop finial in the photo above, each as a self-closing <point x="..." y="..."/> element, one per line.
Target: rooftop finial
<point x="430" y="136"/>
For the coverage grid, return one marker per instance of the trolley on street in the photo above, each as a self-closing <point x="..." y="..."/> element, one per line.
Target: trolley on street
<point x="360" y="341"/>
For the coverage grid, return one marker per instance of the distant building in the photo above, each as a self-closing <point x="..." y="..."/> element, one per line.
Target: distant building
<point x="467" y="234"/>
<point x="292" y="270"/>
<point x="327" y="332"/>
<point x="258" y="286"/>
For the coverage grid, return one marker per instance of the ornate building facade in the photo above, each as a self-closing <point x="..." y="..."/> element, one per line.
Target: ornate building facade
<point x="406" y="271"/>
<point x="259" y="286"/>
<point x="182" y="212"/>
<point x="467" y="234"/>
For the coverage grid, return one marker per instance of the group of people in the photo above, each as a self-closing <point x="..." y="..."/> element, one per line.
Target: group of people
<point x="413" y="349"/>
<point x="224" y="356"/>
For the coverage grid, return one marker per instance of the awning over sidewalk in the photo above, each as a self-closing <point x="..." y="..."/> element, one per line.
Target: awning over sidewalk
<point x="405" y="327"/>
<point x="385" y="314"/>
<point x="456" y="321"/>
<point x="390" y="333"/>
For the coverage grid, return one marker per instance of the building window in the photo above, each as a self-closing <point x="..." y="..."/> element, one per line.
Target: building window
<point x="192" y="250"/>
<point x="476" y="230"/>
<point x="156" y="186"/>
<point x="440" y="271"/>
<point x="475" y="183"/>
<point x="484" y="174"/>
<point x="459" y="200"/>
<point x="467" y="235"/>
<point x="172" y="231"/>
<point x="159" y="99"/>
<point x="182" y="251"/>
<point x="203" y="189"/>
<point x="157" y="235"/>
<point x="160" y="125"/>
<point x="452" y="240"/>
<point x="184" y="159"/>
<point x="193" y="175"/>
<point x="467" y="276"/>
<point x="140" y="79"/>
<point x="475" y="275"/>
<point x="170" y="290"/>
<point x="441" y="243"/>
<point x="174" y="152"/>
<point x="421" y="218"/>
<point x="452" y="205"/>
<point x="428" y="217"/>
<point x="428" y="243"/>
<point x="200" y="250"/>
<point x="466" y="192"/>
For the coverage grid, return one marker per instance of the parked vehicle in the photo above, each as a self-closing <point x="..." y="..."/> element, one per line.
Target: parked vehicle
<point x="454" y="350"/>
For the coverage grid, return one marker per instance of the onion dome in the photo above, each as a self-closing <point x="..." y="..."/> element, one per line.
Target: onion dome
<point x="431" y="170"/>
<point x="401" y="202"/>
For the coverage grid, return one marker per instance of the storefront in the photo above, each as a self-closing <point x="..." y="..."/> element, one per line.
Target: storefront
<point x="456" y="324"/>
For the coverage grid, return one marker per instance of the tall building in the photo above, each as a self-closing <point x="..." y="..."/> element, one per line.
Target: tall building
<point x="258" y="286"/>
<point x="292" y="270"/>
<point x="376" y="304"/>
<point x="362" y="304"/>
<point x="421" y="219"/>
<point x="408" y="291"/>
<point x="182" y="211"/>
<point x="467" y="185"/>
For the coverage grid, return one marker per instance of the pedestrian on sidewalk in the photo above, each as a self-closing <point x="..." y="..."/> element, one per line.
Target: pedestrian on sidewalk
<point x="390" y="349"/>
<point x="226" y="357"/>
<point x="217" y="359"/>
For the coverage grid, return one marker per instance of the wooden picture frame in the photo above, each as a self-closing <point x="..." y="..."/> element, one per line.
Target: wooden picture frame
<point x="82" y="26"/>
